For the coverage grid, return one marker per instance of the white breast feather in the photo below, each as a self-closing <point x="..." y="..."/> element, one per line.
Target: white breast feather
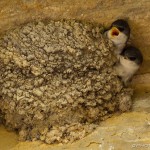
<point x="126" y="68"/>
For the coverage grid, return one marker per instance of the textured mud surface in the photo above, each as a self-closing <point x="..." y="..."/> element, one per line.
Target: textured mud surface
<point x="57" y="81"/>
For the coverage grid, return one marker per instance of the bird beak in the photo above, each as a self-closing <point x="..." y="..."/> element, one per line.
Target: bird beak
<point x="114" y="31"/>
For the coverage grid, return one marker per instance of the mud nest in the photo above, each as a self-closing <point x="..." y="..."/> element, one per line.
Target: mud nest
<point x="57" y="81"/>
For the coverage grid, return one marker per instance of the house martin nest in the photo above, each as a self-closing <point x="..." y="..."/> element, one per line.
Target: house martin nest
<point x="57" y="80"/>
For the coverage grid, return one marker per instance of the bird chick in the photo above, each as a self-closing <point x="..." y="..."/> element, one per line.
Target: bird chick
<point x="129" y="62"/>
<point x="118" y="33"/>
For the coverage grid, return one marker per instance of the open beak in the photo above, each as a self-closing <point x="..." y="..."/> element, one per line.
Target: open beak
<point x="114" y="32"/>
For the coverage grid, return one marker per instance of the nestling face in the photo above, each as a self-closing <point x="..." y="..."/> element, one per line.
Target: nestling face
<point x="116" y="36"/>
<point x="129" y="65"/>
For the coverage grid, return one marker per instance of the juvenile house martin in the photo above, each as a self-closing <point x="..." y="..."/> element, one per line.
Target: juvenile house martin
<point x="118" y="33"/>
<point x="129" y="62"/>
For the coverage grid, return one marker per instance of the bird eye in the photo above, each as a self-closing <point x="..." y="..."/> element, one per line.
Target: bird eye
<point x="132" y="58"/>
<point x="120" y="29"/>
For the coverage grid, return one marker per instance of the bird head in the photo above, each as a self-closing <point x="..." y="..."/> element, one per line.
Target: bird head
<point x="133" y="55"/>
<point x="119" y="33"/>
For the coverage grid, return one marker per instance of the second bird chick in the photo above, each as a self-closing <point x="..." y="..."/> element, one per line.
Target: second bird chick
<point x="129" y="62"/>
<point x="119" y="34"/>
